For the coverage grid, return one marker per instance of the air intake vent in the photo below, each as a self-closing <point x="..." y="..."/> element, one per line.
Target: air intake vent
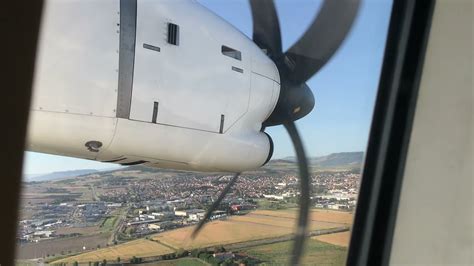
<point x="173" y="34"/>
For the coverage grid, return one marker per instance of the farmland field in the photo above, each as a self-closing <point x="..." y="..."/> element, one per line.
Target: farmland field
<point x="219" y="233"/>
<point x="315" y="215"/>
<point x="55" y="246"/>
<point x="316" y="253"/>
<point x="138" y="248"/>
<point x="339" y="239"/>
<point x="256" y="225"/>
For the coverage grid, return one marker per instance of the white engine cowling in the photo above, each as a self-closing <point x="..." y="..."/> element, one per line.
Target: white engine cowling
<point x="189" y="105"/>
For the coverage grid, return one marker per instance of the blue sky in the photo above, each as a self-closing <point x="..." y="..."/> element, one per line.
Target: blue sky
<point x="344" y="89"/>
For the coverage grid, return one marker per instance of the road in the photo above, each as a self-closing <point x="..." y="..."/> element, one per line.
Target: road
<point x="94" y="193"/>
<point x="119" y="224"/>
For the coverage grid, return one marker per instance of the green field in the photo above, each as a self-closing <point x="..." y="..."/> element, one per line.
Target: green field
<point x="108" y="223"/>
<point x="267" y="204"/>
<point x="25" y="263"/>
<point x="180" y="262"/>
<point x="317" y="253"/>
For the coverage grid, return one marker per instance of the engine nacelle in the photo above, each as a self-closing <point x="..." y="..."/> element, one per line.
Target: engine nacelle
<point x="129" y="142"/>
<point x="161" y="83"/>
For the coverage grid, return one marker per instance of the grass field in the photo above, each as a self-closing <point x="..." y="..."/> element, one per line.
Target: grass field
<point x="88" y="230"/>
<point x="25" y="263"/>
<point x="138" y="248"/>
<point x="316" y="253"/>
<point x="179" y="262"/>
<point x="108" y="223"/>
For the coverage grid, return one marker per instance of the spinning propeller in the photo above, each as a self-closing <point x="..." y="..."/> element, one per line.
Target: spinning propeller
<point x="304" y="59"/>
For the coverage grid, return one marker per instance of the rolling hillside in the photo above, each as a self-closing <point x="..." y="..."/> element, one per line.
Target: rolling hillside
<point x="342" y="160"/>
<point x="59" y="175"/>
<point x="334" y="160"/>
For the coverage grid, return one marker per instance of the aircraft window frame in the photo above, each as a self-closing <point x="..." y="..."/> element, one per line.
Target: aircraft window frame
<point x="393" y="114"/>
<point x="23" y="25"/>
<point x="377" y="205"/>
<point x="231" y="52"/>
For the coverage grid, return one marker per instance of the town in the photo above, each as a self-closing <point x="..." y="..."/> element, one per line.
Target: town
<point x="107" y="208"/>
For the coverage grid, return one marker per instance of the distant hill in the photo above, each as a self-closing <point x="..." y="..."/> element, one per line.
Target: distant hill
<point x="339" y="159"/>
<point x="342" y="160"/>
<point x="335" y="160"/>
<point x="59" y="175"/>
<point x="287" y="165"/>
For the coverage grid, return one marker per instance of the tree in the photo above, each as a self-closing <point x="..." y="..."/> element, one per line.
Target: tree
<point x="212" y="260"/>
<point x="98" y="245"/>
<point x="75" y="263"/>
<point x="136" y="260"/>
<point x="181" y="253"/>
<point x="118" y="259"/>
<point x="219" y="249"/>
<point x="228" y="262"/>
<point x="202" y="255"/>
<point x="208" y="257"/>
<point x="246" y="261"/>
<point x="195" y="252"/>
<point x="104" y="262"/>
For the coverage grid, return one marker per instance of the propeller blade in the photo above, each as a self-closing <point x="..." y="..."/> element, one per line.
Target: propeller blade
<point x="321" y="40"/>
<point x="266" y="28"/>
<point x="305" y="182"/>
<point x="214" y="206"/>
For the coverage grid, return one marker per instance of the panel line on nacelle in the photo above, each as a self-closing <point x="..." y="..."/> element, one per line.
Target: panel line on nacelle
<point x="128" y="28"/>
<point x="221" y="127"/>
<point x="155" y="112"/>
